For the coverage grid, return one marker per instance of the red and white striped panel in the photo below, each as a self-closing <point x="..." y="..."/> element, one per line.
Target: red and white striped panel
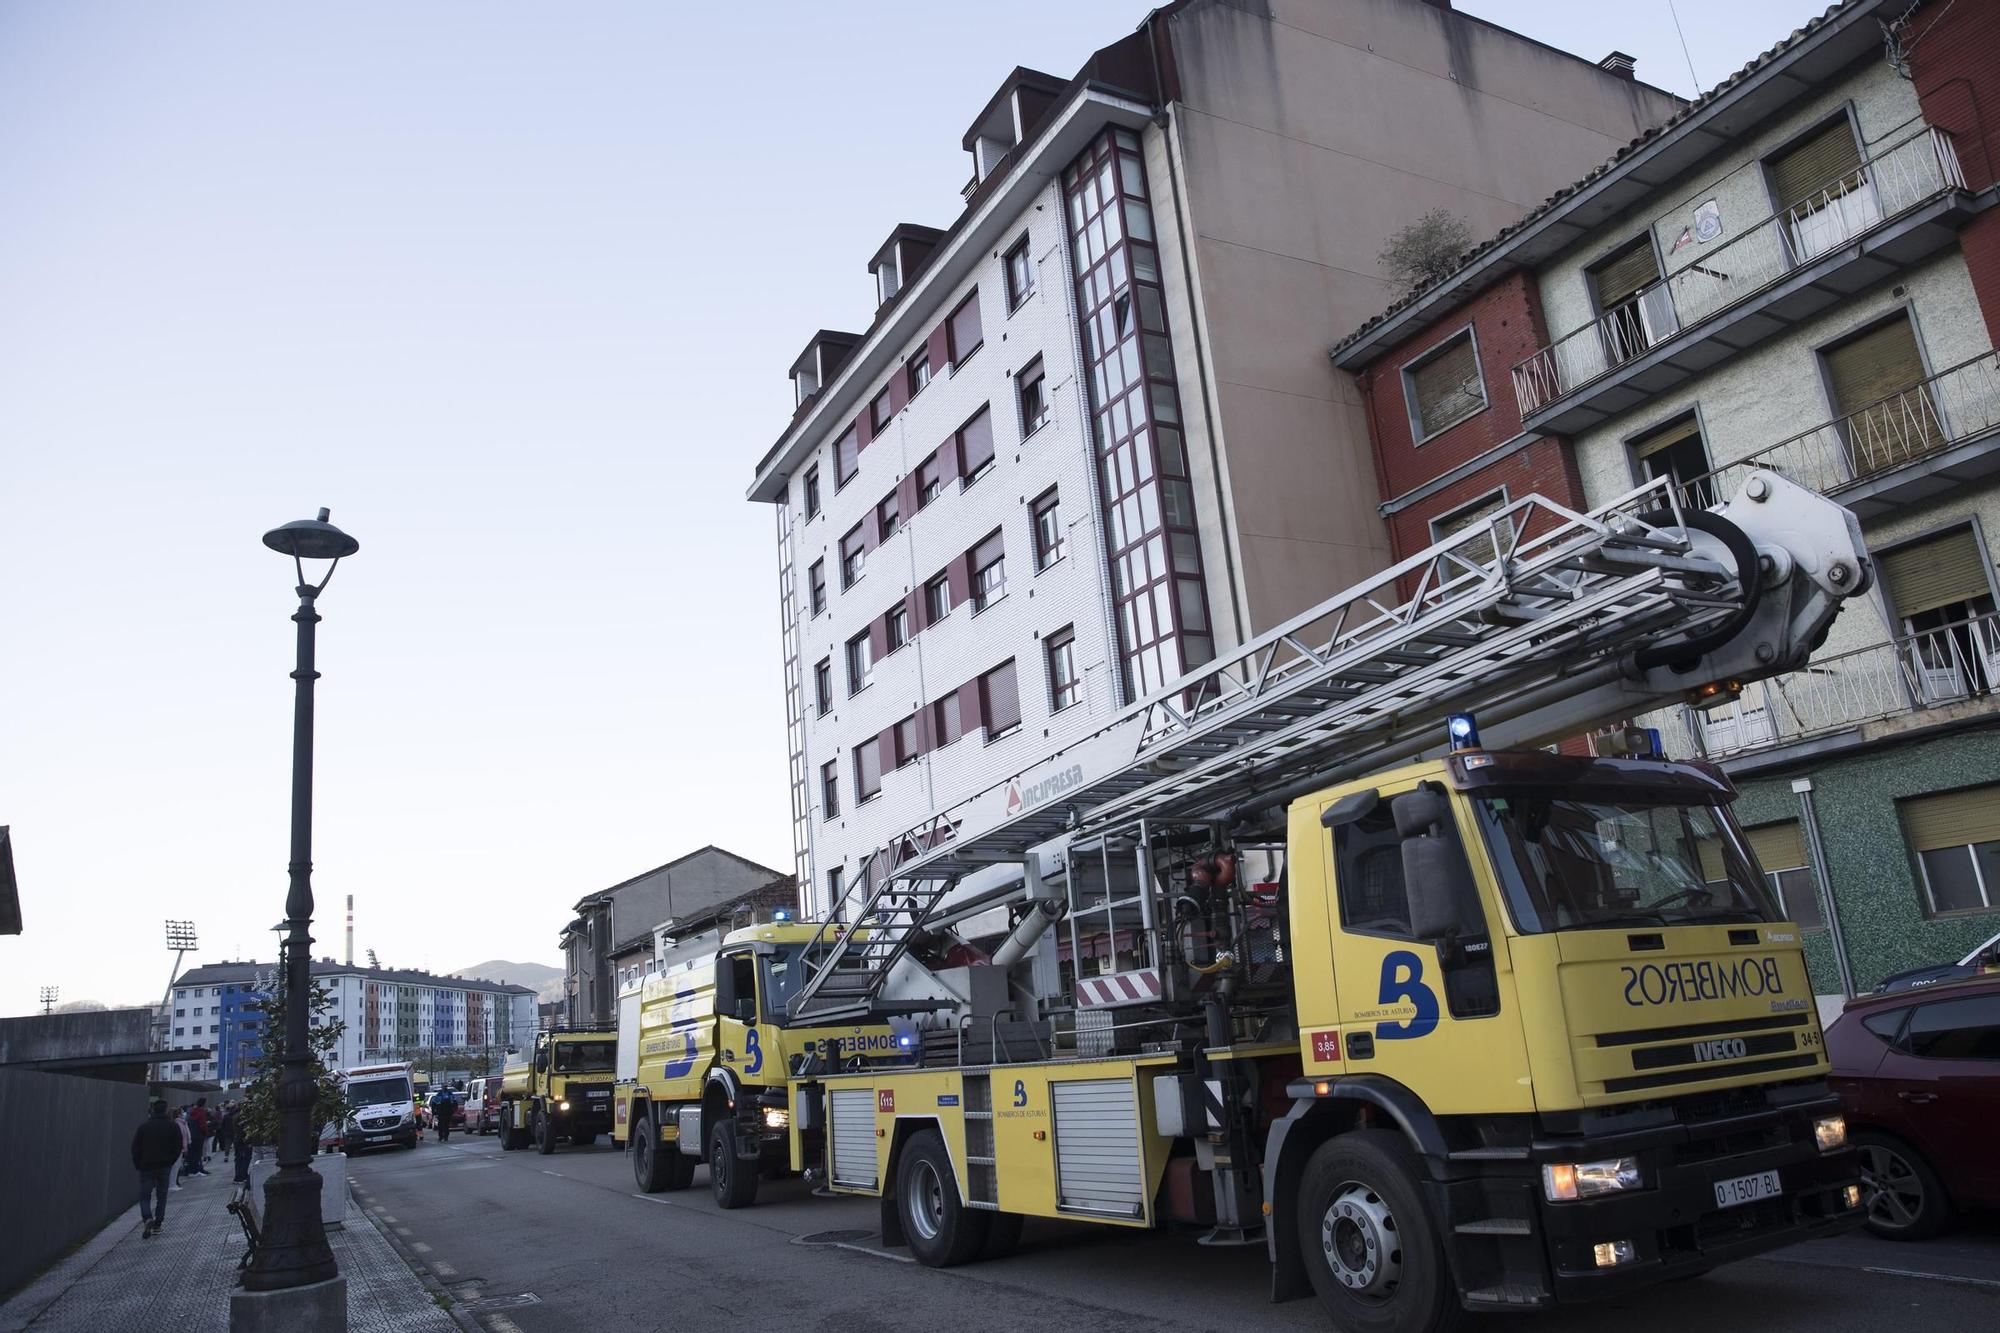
<point x="1108" y="992"/>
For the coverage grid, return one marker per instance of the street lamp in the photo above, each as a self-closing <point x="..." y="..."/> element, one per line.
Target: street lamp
<point x="294" y="1252"/>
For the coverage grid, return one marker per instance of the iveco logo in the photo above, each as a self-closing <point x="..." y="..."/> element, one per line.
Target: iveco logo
<point x="1727" y="1048"/>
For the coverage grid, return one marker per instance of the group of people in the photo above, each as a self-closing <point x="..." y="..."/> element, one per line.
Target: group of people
<point x="168" y="1149"/>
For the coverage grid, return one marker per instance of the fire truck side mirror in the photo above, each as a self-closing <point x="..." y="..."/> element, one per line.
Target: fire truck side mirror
<point x="1428" y="874"/>
<point x="541" y="1062"/>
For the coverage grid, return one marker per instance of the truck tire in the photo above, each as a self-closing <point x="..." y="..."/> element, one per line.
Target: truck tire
<point x="650" y="1158"/>
<point x="1368" y="1242"/>
<point x="545" y="1134"/>
<point x="734" y="1182"/>
<point x="940" y="1230"/>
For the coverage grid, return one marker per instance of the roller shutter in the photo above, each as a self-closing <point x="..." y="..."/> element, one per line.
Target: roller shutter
<point x="1867" y="369"/>
<point x="1926" y="575"/>
<point x="1952" y="819"/>
<point x="1778" y="846"/>
<point x="851" y="1116"/>
<point x="1824" y="158"/>
<point x="1620" y="277"/>
<point x="1446" y="388"/>
<point x="1098" y="1162"/>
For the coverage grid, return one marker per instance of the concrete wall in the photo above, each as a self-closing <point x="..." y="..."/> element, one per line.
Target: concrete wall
<point x="34" y="1037"/>
<point x="67" y="1169"/>
<point x="1307" y="132"/>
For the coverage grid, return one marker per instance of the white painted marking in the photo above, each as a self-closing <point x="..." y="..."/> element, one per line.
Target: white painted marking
<point x="386" y="1217"/>
<point x="1934" y="1277"/>
<point x="500" y="1323"/>
<point x="553" y="1173"/>
<point x="420" y="1247"/>
<point x="443" y="1269"/>
<point x="878" y="1254"/>
<point x="402" y="1231"/>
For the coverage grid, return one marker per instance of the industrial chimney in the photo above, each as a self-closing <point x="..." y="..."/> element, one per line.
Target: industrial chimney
<point x="350" y="930"/>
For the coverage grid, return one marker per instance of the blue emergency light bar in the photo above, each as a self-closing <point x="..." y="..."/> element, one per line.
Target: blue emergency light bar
<point x="782" y="914"/>
<point x="1463" y="730"/>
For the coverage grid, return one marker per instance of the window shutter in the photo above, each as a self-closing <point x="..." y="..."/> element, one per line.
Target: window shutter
<point x="1879" y="363"/>
<point x="1952" y="819"/>
<point x="966" y="334"/>
<point x="939" y="347"/>
<point x="976" y="443"/>
<point x="1476" y="515"/>
<point x="1778" y="846"/>
<point x="1827" y="156"/>
<point x="1666" y="438"/>
<point x="1622" y="275"/>
<point x="1926" y="575"/>
<point x="1447" y="387"/>
<point x="1003" y="700"/>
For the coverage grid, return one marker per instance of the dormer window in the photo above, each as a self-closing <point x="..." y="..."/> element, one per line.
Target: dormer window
<point x="805" y="383"/>
<point x="887" y="281"/>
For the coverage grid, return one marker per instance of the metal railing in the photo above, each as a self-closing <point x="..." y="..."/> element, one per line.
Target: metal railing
<point x="1893" y="181"/>
<point x="1952" y="407"/>
<point x="1951" y="664"/>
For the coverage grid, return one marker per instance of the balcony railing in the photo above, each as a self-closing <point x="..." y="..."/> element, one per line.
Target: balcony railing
<point x="1892" y="182"/>
<point x="1952" y="664"/>
<point x="1951" y="408"/>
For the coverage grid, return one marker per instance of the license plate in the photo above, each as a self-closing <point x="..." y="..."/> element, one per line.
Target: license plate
<point x="1747" y="1189"/>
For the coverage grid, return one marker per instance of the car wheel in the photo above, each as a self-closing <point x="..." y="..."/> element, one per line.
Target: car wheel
<point x="1367" y="1240"/>
<point x="1904" y="1198"/>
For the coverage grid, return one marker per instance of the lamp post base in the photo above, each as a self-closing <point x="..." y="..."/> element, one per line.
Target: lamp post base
<point x="318" y="1307"/>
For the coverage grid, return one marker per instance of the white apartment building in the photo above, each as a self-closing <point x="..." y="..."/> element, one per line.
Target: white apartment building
<point x="389" y="1014"/>
<point x="1090" y="437"/>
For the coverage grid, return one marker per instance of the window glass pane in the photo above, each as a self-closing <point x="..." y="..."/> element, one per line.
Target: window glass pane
<point x="1961" y="1029"/>
<point x="1139" y="221"/>
<point x="1165" y="408"/>
<point x="1130" y="176"/>
<point x="1954" y="886"/>
<point x="1172" y="460"/>
<point x="1987" y="854"/>
<point x="1193" y="616"/>
<point x="1145" y="263"/>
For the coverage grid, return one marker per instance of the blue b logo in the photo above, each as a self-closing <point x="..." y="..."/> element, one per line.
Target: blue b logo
<point x="1020" y="1092"/>
<point x="1403" y="979"/>
<point x="753" y="1052"/>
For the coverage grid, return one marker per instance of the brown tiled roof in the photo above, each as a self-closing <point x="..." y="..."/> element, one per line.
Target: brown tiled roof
<point x="1555" y="200"/>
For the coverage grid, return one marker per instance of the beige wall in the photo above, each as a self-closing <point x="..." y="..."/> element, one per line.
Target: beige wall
<point x="1306" y="134"/>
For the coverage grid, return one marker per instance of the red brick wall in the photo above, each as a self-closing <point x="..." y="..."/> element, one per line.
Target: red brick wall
<point x="1954" y="55"/>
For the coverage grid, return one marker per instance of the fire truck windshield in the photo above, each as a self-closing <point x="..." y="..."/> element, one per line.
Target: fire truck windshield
<point x="586" y="1057"/>
<point x="1574" y="864"/>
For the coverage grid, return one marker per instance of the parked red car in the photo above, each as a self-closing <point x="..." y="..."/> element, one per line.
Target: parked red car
<point x="1919" y="1071"/>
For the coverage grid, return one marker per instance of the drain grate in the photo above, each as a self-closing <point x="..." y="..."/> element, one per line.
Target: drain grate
<point x="834" y="1238"/>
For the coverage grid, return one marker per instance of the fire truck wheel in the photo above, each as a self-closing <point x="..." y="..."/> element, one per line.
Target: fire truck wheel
<point x="1374" y="1255"/>
<point x="545" y="1134"/>
<point x="735" y="1182"/>
<point x="649" y="1163"/>
<point x="940" y="1229"/>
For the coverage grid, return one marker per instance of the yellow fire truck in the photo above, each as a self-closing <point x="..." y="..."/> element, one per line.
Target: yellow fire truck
<point x="705" y="1053"/>
<point x="1444" y="1026"/>
<point x="559" y="1090"/>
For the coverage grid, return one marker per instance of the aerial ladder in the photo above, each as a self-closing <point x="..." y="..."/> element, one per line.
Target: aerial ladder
<point x="1543" y="621"/>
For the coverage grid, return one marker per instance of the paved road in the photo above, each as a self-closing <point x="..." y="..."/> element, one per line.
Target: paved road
<point x="571" y="1230"/>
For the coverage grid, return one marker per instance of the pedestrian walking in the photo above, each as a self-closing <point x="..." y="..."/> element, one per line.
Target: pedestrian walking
<point x="181" y="1125"/>
<point x="442" y="1105"/>
<point x="156" y="1146"/>
<point x="197" y="1123"/>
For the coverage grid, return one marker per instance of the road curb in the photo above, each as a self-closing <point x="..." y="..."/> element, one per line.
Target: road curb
<point x="414" y="1262"/>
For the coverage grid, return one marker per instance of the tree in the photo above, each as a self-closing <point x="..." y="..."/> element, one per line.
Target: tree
<point x="260" y="1095"/>
<point x="81" y="1007"/>
<point x="1427" y="249"/>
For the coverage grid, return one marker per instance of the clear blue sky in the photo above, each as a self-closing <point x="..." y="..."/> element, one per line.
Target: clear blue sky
<point x="512" y="288"/>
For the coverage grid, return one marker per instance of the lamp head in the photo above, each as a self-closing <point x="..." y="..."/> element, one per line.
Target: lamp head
<point x="311" y="539"/>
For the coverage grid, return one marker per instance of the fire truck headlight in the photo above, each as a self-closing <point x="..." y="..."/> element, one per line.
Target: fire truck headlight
<point x="777" y="1117"/>
<point x="562" y="1106"/>
<point x="1564" y="1181"/>
<point x="1830" y="1132"/>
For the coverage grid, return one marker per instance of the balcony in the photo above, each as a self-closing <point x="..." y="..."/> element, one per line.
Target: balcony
<point x="1934" y="437"/>
<point x="1941" y="675"/>
<point x="1903" y="204"/>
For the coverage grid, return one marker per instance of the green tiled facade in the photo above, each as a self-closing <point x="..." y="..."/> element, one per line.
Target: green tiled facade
<point x="1876" y="883"/>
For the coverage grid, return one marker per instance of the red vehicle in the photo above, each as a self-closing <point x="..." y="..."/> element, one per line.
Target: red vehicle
<point x="481" y="1105"/>
<point x="1919" y="1071"/>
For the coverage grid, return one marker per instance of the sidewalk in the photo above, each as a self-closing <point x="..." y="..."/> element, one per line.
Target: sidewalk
<point x="180" y="1281"/>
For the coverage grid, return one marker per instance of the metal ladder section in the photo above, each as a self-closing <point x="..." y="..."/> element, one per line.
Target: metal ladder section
<point x="982" y="1172"/>
<point x="1531" y="596"/>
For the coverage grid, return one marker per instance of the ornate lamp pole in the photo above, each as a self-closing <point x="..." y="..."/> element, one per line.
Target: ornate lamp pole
<point x="294" y="1252"/>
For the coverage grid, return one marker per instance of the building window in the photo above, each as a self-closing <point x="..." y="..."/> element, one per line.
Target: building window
<point x="975" y="447"/>
<point x="937" y="599"/>
<point x="1873" y="378"/>
<point x="1634" y="308"/>
<point x="989" y="572"/>
<point x="1822" y="190"/>
<point x="829" y="788"/>
<point x="965" y="335"/>
<point x="907" y="747"/>
<point x="1064" y="686"/>
<point x="1675" y="450"/>
<point x="1938" y="591"/>
<point x="1477" y="514"/>
<point x="823" y="685"/>
<point x="1443" y="387"/>
<point x="1048" y="530"/>
<point x="1034" y="401"/>
<point x="846" y="458"/>
<point x="999" y="701"/>
<point x="853" y="552"/>
<point x="918" y="369"/>
<point x="810" y="487"/>
<point x="867" y="771"/>
<point x="835" y="888"/>
<point x="816" y="585"/>
<point x="899" y="626"/>
<point x="1781" y="853"/>
<point x="930" y="480"/>
<point x="860" y="663"/>
<point x="1020" y="275"/>
<point x="1956" y="838"/>
<point x="889" y="514"/>
<point x="880" y="413"/>
<point x="946" y="724"/>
